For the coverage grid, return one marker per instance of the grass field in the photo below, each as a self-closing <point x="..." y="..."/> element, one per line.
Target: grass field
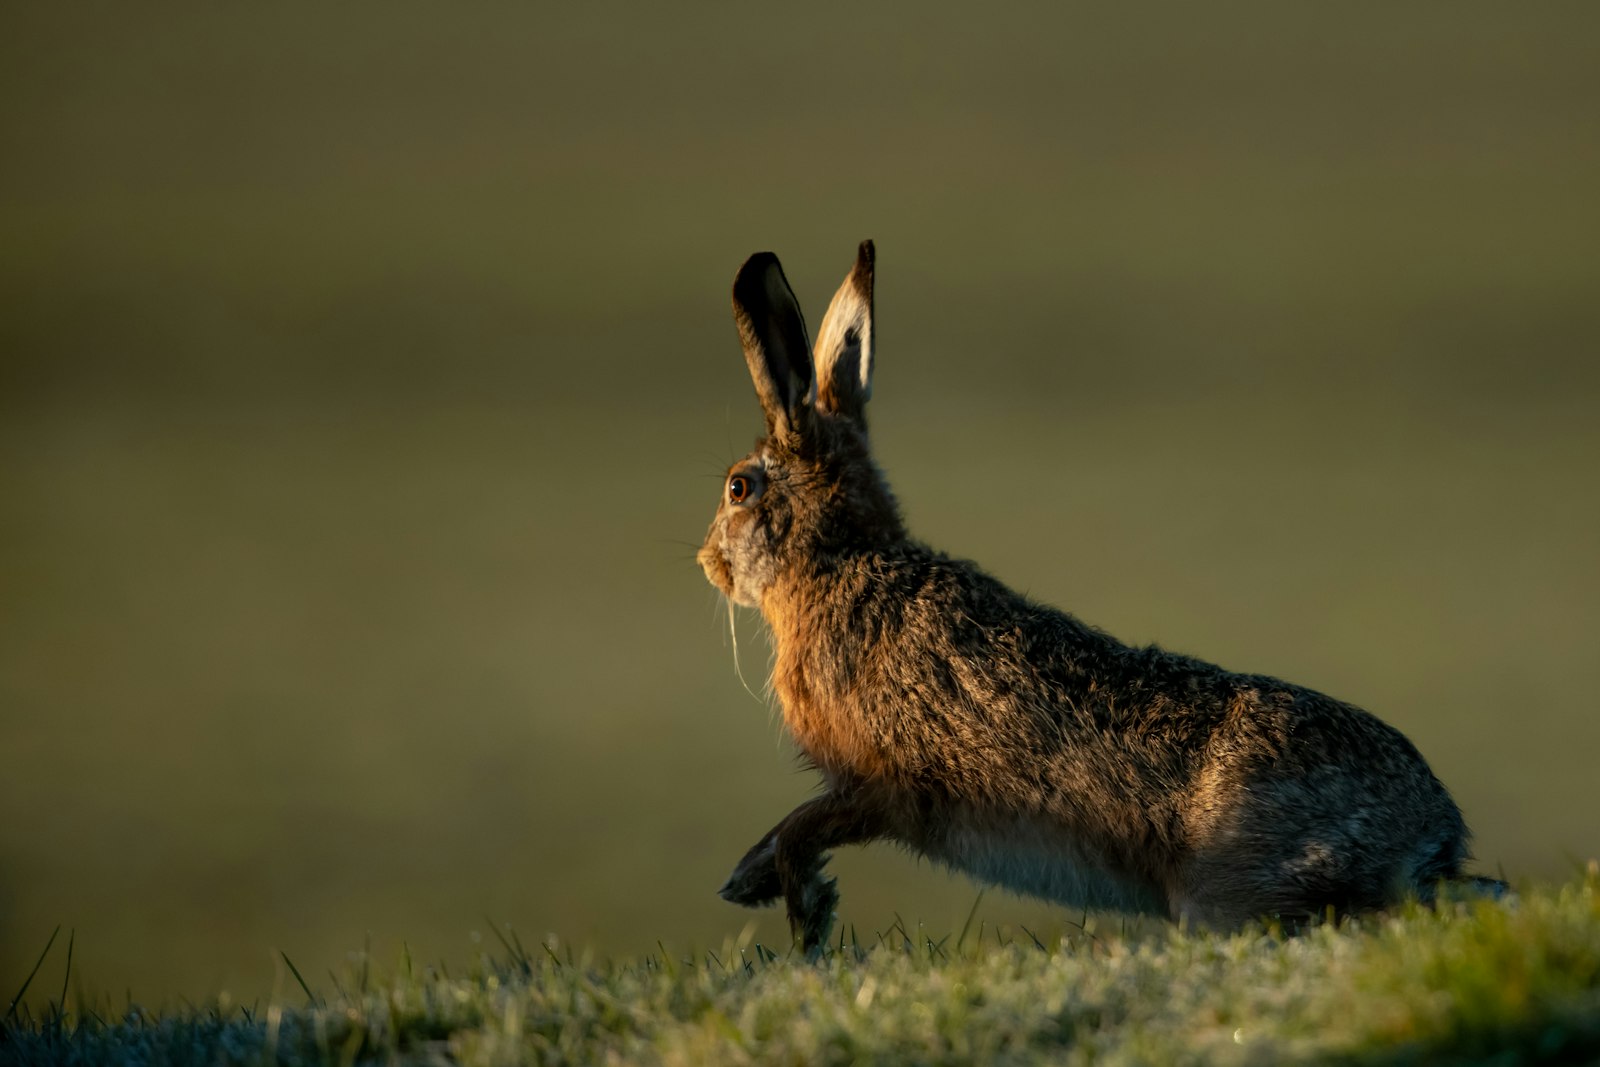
<point x="1473" y="982"/>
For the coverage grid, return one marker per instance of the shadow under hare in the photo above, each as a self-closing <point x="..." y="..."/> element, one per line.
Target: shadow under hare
<point x="1005" y="738"/>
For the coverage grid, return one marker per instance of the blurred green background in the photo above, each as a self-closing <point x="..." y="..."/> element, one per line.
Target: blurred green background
<point x="366" y="378"/>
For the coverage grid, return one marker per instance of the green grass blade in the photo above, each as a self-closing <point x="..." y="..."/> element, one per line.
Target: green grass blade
<point x="971" y="914"/>
<point x="26" y="982"/>
<point x="61" y="1002"/>
<point x="310" y="996"/>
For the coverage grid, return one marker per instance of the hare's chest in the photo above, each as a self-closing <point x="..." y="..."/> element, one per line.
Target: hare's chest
<point x="831" y="737"/>
<point x="828" y="726"/>
<point x="1025" y="856"/>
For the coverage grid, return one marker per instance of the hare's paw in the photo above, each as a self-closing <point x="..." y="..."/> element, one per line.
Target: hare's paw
<point x="811" y="915"/>
<point x="754" y="883"/>
<point x="1492" y="888"/>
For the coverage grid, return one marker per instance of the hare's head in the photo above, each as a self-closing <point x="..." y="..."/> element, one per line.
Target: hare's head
<point x="810" y="492"/>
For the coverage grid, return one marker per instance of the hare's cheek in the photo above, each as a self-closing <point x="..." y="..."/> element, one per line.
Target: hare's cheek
<point x="753" y="566"/>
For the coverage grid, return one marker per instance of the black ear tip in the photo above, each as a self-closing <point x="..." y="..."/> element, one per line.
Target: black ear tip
<point x="757" y="265"/>
<point x="751" y="281"/>
<point x="861" y="275"/>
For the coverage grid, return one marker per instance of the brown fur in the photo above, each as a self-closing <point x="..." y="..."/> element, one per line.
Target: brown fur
<point x="1008" y="739"/>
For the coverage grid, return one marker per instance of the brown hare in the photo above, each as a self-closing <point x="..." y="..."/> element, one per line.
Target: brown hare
<point x="1005" y="738"/>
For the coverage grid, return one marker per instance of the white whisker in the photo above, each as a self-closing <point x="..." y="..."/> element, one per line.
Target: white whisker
<point x="733" y="631"/>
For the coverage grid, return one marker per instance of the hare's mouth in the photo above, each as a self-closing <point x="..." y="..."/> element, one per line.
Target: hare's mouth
<point x="718" y="573"/>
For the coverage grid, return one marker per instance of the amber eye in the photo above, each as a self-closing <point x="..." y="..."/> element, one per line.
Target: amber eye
<point x="738" y="488"/>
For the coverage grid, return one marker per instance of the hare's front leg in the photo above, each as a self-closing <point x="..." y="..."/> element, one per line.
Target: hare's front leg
<point x="788" y="862"/>
<point x="754" y="882"/>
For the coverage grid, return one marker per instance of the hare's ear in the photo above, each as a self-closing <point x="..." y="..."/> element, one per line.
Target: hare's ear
<point x="775" y="345"/>
<point x="844" y="344"/>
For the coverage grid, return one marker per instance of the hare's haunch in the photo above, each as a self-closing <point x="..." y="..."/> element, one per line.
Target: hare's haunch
<point x="1003" y="737"/>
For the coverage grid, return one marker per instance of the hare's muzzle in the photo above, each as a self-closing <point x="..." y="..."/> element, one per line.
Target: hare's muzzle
<point x="718" y="573"/>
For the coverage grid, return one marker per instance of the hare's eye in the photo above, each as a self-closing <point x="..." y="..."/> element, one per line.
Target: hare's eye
<point x="738" y="488"/>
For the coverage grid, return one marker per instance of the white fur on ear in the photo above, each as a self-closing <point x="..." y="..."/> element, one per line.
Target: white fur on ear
<point x="843" y="355"/>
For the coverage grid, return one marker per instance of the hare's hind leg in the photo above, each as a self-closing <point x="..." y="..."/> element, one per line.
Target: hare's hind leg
<point x="1227" y="901"/>
<point x="1302" y="876"/>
